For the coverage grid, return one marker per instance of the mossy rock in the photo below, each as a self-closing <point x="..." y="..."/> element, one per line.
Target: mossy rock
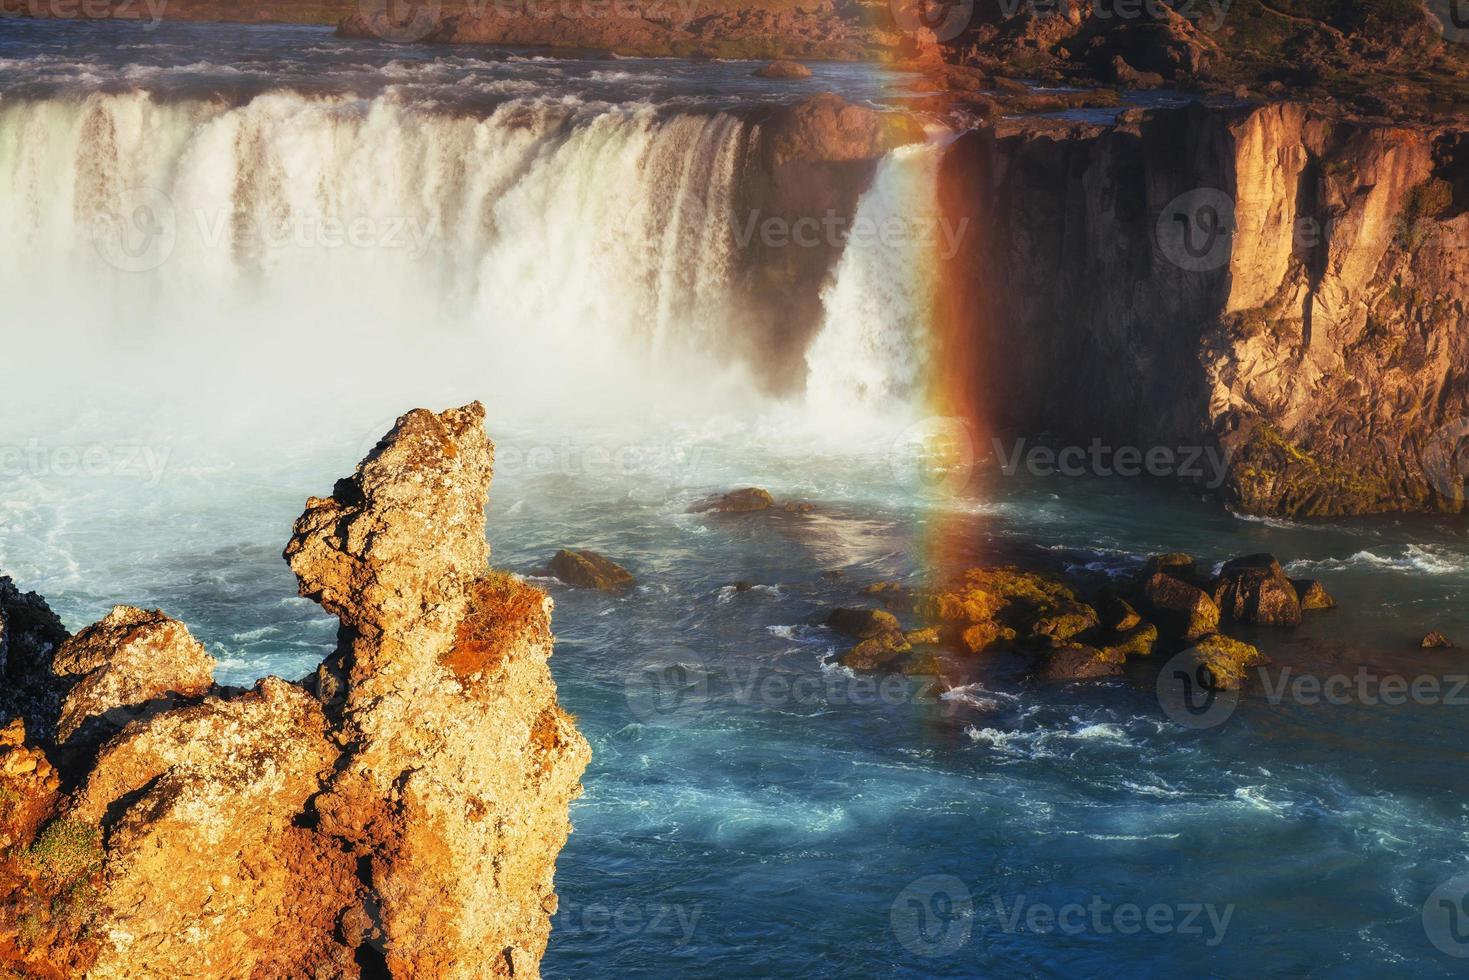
<point x="862" y="624"/>
<point x="876" y="653"/>
<point x="1223" y="662"/>
<point x="1137" y="642"/>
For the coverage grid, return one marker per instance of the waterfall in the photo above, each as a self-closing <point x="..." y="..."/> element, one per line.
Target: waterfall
<point x="209" y="243"/>
<point x="870" y="356"/>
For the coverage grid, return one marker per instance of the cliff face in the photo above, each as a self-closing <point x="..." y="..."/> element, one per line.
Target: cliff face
<point x="400" y="810"/>
<point x="1282" y="287"/>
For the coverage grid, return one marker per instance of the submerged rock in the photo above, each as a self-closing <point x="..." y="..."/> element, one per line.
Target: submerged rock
<point x="783" y="70"/>
<point x="862" y="624"/>
<point x="589" y="570"/>
<point x="405" y="820"/>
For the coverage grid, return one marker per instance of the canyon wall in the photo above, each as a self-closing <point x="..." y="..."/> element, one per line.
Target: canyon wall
<point x="397" y="813"/>
<point x="1284" y="286"/>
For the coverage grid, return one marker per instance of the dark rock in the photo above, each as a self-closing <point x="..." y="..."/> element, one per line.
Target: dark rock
<point x="1181" y="566"/>
<point x="1436" y="641"/>
<point x="1180" y="609"/>
<point x="1077" y="661"/>
<point x="1125" y="74"/>
<point x="1008" y="86"/>
<point x="1118" y="615"/>
<point x="1255" y="590"/>
<point x="589" y="570"/>
<point x="783" y="70"/>
<point x="862" y="624"/>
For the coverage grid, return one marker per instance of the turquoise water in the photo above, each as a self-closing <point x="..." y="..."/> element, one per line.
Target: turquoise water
<point x="768" y="822"/>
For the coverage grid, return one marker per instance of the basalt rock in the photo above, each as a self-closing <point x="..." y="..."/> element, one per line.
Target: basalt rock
<point x="1255" y="590"/>
<point x="30" y="633"/>
<point x="1180" y="609"/>
<point x="402" y="815"/>
<point x="1313" y="595"/>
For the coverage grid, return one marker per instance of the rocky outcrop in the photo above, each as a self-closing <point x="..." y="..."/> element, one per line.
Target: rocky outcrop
<point x="1278" y="294"/>
<point x="1434" y="640"/>
<point x="118" y="667"/>
<point x="401" y="812"/>
<point x="743" y="501"/>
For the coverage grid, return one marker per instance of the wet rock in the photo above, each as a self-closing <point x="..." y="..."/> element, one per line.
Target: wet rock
<point x="1313" y="595"/>
<point x="589" y="570"/>
<point x="877" y="652"/>
<point x="1255" y="590"/>
<point x="1137" y="642"/>
<point x="1222" y="663"/>
<point x="1180" y="609"/>
<point x="1177" y="564"/>
<point x="1078" y="661"/>
<point x="1435" y="641"/>
<point x="122" y="663"/>
<point x="1118" y="615"/>
<point x="745" y="501"/>
<point x="783" y="70"/>
<point x="891" y="594"/>
<point x="862" y="624"/>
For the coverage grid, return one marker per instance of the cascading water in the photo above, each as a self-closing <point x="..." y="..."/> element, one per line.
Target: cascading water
<point x="593" y="241"/>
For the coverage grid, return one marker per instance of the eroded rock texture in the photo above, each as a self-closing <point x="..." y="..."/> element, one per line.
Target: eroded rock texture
<point x="400" y="811"/>
<point x="1318" y="343"/>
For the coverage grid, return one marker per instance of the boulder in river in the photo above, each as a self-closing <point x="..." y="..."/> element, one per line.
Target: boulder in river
<point x="589" y="570"/>
<point x="1313" y="594"/>
<point x="783" y="70"/>
<point x="1436" y="641"/>
<point x="1179" y="608"/>
<point x="1221" y="663"/>
<point x="743" y="501"/>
